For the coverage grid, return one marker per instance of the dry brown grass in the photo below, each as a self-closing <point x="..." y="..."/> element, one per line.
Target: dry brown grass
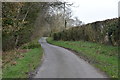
<point x="10" y="57"/>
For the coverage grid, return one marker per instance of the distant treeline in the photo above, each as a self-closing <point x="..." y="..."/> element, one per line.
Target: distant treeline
<point x="105" y="32"/>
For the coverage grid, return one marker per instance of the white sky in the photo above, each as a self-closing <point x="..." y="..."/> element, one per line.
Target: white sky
<point x="95" y="10"/>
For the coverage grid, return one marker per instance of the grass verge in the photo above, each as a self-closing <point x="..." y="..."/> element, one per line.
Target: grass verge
<point x="103" y="57"/>
<point x="18" y="63"/>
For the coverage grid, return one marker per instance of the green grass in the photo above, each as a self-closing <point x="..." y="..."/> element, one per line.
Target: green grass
<point x="102" y="56"/>
<point x="29" y="62"/>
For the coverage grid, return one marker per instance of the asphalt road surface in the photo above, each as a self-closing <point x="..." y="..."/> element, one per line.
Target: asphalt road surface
<point x="62" y="63"/>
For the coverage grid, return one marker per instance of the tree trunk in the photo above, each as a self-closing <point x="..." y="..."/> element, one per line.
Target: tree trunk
<point x="16" y="42"/>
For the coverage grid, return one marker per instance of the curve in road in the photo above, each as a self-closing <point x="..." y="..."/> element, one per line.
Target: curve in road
<point x="62" y="63"/>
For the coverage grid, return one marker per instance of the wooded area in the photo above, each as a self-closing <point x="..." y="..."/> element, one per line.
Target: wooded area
<point x="25" y="21"/>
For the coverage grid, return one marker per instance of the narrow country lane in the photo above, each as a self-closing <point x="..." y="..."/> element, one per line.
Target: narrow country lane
<point x="61" y="63"/>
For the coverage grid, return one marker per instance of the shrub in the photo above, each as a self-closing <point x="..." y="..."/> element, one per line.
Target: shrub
<point x="94" y="32"/>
